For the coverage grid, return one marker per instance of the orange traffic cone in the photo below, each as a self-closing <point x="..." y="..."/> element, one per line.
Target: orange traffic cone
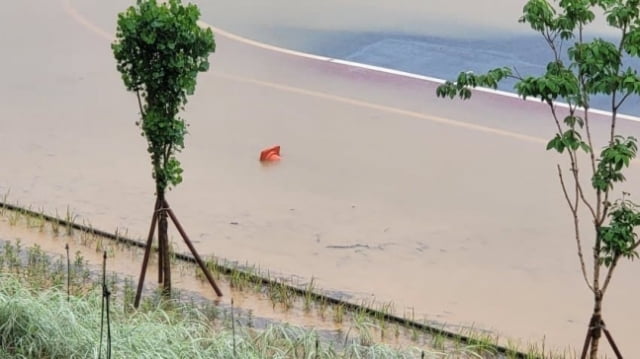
<point x="270" y="154"/>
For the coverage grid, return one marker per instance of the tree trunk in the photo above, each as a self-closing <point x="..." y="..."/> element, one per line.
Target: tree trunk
<point x="596" y="326"/>
<point x="163" y="246"/>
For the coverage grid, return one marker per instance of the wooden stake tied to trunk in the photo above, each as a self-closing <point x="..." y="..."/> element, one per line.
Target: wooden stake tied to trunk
<point x="161" y="212"/>
<point x="596" y="328"/>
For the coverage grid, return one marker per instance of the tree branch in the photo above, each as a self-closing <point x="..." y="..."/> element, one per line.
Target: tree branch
<point x="517" y="75"/>
<point x="592" y="155"/>
<point x="610" y="273"/>
<point x="584" y="200"/>
<point x="622" y="100"/>
<point x="551" y="42"/>
<point x="587" y="125"/>
<point x="614" y="117"/>
<point x="555" y="117"/>
<point x="167" y="154"/>
<point x="576" y="227"/>
<point x="573" y="157"/>
<point x="574" y="208"/>
<point x="142" y="113"/>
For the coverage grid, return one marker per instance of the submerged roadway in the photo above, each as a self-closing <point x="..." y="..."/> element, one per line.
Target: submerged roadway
<point x="451" y="210"/>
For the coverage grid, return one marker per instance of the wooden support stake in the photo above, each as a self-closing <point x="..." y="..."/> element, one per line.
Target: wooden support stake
<point x="611" y="341"/>
<point x="195" y="254"/>
<point x="147" y="252"/>
<point x="164" y="264"/>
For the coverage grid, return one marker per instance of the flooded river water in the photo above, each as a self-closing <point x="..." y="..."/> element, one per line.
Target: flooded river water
<point x="450" y="210"/>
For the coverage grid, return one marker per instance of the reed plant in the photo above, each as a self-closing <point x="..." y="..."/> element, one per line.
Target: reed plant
<point x="44" y="324"/>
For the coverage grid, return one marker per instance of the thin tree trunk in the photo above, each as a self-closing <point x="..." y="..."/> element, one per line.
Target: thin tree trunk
<point x="160" y="253"/>
<point x="596" y="326"/>
<point x="163" y="244"/>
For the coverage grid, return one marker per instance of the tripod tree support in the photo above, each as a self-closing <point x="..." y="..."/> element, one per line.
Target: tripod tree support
<point x="595" y="325"/>
<point x="164" y="264"/>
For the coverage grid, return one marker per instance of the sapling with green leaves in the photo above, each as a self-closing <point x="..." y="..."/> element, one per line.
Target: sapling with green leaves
<point x="160" y="49"/>
<point x="580" y="68"/>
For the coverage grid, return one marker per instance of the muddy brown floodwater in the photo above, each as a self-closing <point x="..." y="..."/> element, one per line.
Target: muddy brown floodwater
<point x="122" y="261"/>
<point x="451" y="210"/>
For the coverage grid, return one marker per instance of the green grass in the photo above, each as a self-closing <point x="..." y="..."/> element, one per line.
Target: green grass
<point x="41" y="323"/>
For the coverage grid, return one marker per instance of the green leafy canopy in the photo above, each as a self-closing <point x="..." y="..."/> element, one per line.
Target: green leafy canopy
<point x="618" y="237"/>
<point x="160" y="49"/>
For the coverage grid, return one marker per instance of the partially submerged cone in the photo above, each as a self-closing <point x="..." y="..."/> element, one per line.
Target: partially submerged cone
<point x="270" y="154"/>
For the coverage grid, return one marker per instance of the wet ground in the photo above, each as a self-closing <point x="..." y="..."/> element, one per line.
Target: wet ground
<point x="24" y="238"/>
<point x="252" y="307"/>
<point x="450" y="209"/>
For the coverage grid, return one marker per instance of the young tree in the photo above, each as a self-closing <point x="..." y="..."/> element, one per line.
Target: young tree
<point x="160" y="49"/>
<point x="589" y="67"/>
